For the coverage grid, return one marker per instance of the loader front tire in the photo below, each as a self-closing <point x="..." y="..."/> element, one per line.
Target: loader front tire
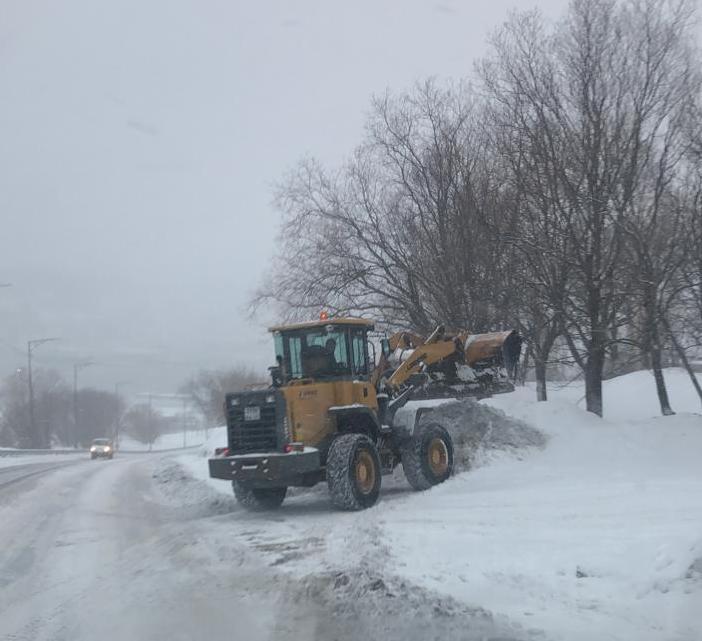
<point x="427" y="458"/>
<point x="259" y="499"/>
<point x="353" y="472"/>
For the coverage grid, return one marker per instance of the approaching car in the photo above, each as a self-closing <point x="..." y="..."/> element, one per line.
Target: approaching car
<point x="102" y="448"/>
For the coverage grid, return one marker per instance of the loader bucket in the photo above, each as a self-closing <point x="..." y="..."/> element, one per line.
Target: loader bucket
<point x="494" y="349"/>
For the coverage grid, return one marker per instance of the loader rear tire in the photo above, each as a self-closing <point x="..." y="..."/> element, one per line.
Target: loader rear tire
<point x="353" y="472"/>
<point x="427" y="458"/>
<point x="259" y="499"/>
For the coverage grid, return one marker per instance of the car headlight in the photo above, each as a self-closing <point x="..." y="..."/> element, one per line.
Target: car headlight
<point x="93" y="449"/>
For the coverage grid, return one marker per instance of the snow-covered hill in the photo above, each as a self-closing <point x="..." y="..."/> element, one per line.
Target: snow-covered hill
<point x="633" y="397"/>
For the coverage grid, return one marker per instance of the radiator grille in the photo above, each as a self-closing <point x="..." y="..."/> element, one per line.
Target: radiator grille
<point x="260" y="435"/>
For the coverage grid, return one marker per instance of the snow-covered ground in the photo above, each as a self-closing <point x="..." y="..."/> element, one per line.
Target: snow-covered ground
<point x="561" y="526"/>
<point x="633" y="397"/>
<point x="598" y="532"/>
<point x="596" y="536"/>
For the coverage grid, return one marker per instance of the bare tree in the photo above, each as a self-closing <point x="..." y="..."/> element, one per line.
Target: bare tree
<point x="51" y="406"/>
<point x="551" y="205"/>
<point x="595" y="107"/>
<point x="536" y="228"/>
<point x="682" y="313"/>
<point x="97" y="414"/>
<point x="400" y="231"/>
<point x="207" y="390"/>
<point x="14" y="419"/>
<point x="144" y="423"/>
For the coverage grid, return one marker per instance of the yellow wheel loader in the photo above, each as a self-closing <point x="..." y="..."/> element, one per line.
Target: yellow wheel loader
<point x="329" y="414"/>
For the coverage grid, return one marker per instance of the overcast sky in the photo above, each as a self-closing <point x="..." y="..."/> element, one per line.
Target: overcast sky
<point x="139" y="140"/>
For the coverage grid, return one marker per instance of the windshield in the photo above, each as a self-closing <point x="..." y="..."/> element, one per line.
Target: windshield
<point x="321" y="352"/>
<point x="101" y="441"/>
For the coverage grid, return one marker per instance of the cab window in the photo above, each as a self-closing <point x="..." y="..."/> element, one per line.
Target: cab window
<point x="325" y="353"/>
<point x="359" y="353"/>
<point x="295" y="354"/>
<point x="320" y="352"/>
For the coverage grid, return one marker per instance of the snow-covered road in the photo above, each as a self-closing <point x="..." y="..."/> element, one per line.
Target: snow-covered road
<point x="22" y="470"/>
<point x="86" y="554"/>
<point x="96" y="550"/>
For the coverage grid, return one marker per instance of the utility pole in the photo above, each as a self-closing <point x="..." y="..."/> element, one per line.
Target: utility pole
<point x="150" y="421"/>
<point x="31" y="345"/>
<point x="76" y="368"/>
<point x="185" y="422"/>
<point x="118" y="384"/>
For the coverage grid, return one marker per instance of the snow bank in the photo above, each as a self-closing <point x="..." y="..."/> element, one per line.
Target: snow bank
<point x="217" y="437"/>
<point x="481" y="433"/>
<point x="597" y="535"/>
<point x="177" y="487"/>
<point x="366" y="605"/>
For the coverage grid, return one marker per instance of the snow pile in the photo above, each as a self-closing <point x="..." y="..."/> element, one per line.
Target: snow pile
<point x="217" y="437"/>
<point x="598" y="534"/>
<point x="480" y="433"/>
<point x="367" y="605"/>
<point x="176" y="487"/>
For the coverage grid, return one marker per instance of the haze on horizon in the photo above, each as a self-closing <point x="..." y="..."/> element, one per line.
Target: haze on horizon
<point x="140" y="145"/>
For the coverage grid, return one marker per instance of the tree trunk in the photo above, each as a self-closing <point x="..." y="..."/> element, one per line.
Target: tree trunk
<point x="524" y="369"/>
<point x="683" y="357"/>
<point x="540" y="371"/>
<point x="660" y="382"/>
<point x="593" y="379"/>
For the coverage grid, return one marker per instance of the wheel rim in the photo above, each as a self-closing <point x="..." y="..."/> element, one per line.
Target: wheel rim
<point x="437" y="453"/>
<point x="365" y="472"/>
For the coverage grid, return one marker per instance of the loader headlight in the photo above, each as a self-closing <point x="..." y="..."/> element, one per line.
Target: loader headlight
<point x="270" y="398"/>
<point x="234" y="401"/>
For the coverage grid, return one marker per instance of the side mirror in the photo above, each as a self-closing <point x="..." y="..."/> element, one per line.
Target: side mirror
<point x="276" y="376"/>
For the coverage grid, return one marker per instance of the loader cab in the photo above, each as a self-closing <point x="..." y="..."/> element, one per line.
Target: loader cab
<point x="325" y="350"/>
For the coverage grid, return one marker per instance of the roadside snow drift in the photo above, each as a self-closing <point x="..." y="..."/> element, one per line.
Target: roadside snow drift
<point x="598" y="536"/>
